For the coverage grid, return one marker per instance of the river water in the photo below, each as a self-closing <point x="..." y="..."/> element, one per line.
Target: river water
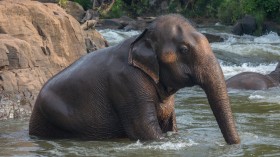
<point x="257" y="113"/>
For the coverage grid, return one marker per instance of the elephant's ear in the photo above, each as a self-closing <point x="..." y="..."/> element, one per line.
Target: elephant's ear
<point x="142" y="55"/>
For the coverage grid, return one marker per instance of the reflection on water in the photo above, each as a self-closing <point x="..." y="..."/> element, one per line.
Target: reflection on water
<point x="257" y="115"/>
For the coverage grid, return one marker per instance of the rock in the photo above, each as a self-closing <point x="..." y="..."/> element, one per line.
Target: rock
<point x="94" y="40"/>
<point x="37" y="40"/>
<point x="75" y="9"/>
<point x="90" y="15"/>
<point x="125" y="20"/>
<point x="136" y="25"/>
<point x="237" y="29"/>
<point x="103" y="6"/>
<point x="247" y="25"/>
<point x="15" y="53"/>
<point x="110" y="24"/>
<point x="90" y="24"/>
<point x="269" y="26"/>
<point x="213" y="38"/>
<point x="125" y="23"/>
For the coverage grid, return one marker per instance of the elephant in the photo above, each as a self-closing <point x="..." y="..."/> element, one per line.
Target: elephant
<point x="254" y="80"/>
<point x="127" y="90"/>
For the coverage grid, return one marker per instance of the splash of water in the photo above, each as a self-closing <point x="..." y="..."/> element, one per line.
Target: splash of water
<point x="266" y="46"/>
<point x="177" y="145"/>
<point x="230" y="70"/>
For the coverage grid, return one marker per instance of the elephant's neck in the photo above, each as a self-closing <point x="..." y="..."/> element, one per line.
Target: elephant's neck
<point x="164" y="92"/>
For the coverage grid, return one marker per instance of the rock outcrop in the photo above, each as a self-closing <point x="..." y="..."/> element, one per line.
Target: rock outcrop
<point x="247" y="25"/>
<point x="37" y="40"/>
<point x="75" y="9"/>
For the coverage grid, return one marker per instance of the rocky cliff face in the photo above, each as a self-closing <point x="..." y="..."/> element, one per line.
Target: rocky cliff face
<point x="37" y="40"/>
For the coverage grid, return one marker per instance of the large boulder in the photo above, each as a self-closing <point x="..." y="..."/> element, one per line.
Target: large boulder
<point x="90" y="15"/>
<point x="37" y="40"/>
<point x="247" y="25"/>
<point x="75" y="9"/>
<point x="94" y="40"/>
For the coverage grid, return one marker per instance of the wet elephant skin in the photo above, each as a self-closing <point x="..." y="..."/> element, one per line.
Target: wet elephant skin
<point x="255" y="81"/>
<point x="128" y="90"/>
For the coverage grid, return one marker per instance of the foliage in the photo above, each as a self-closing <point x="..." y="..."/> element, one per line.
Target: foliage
<point x="116" y="10"/>
<point x="62" y="3"/>
<point x="137" y="7"/>
<point x="207" y="8"/>
<point x="129" y="7"/>
<point x="174" y="6"/>
<point x="258" y="8"/>
<point x="268" y="7"/>
<point x="229" y="11"/>
<point x="87" y="4"/>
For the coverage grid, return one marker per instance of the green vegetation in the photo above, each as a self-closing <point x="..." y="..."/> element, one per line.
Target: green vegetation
<point x="227" y="11"/>
<point x="62" y="3"/>
<point x="116" y="11"/>
<point x="86" y="4"/>
<point x="230" y="11"/>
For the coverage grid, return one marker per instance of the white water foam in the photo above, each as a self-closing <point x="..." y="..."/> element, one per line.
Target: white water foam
<point x="246" y="67"/>
<point x="271" y="95"/>
<point x="271" y="38"/>
<point x="250" y="45"/>
<point x="178" y="145"/>
<point x="256" y="97"/>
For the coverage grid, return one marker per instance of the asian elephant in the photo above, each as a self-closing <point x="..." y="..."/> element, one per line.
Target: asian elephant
<point x="127" y="90"/>
<point x="255" y="81"/>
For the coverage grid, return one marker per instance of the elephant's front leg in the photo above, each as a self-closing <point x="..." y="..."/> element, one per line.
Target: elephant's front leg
<point x="166" y="115"/>
<point x="135" y="103"/>
<point x="140" y="121"/>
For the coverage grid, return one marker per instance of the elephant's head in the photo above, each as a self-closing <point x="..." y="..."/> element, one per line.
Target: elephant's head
<point x="175" y="55"/>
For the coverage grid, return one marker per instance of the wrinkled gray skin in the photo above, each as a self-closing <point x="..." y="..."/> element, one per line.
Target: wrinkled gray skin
<point x="128" y="90"/>
<point x="255" y="81"/>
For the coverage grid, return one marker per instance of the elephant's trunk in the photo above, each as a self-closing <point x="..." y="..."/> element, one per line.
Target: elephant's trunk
<point x="211" y="79"/>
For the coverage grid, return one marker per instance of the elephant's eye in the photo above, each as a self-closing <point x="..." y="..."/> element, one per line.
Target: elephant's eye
<point x="184" y="49"/>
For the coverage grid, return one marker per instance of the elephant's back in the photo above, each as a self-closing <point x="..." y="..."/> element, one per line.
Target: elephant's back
<point x="78" y="96"/>
<point x="249" y="81"/>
